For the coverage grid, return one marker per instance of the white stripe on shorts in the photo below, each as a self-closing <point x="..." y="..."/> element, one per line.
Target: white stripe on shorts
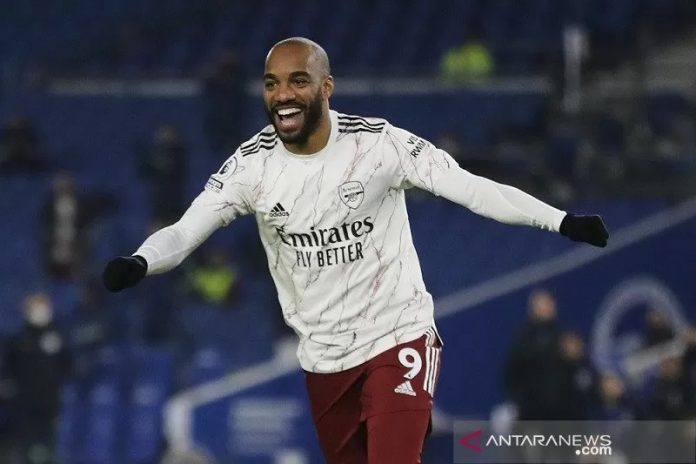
<point x="436" y="369"/>
<point x="432" y="359"/>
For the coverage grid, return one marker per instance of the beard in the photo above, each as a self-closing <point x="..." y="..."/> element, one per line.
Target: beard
<point x="312" y="117"/>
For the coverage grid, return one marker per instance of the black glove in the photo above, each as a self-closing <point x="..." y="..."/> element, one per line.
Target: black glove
<point x="590" y="229"/>
<point x="124" y="272"/>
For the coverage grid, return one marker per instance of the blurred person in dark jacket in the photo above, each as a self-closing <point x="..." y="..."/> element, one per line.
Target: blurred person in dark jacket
<point x="19" y="148"/>
<point x="657" y="327"/>
<point x="617" y="410"/>
<point x="88" y="328"/>
<point x="671" y="398"/>
<point x="66" y="216"/>
<point x="534" y="372"/>
<point x="579" y="379"/>
<point x="160" y="300"/>
<point x="615" y="403"/>
<point x="164" y="164"/>
<point x="36" y="364"/>
<point x="64" y="229"/>
<point x="224" y="98"/>
<point x="689" y="361"/>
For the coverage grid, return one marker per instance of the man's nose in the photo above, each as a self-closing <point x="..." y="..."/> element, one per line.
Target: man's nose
<point x="285" y="93"/>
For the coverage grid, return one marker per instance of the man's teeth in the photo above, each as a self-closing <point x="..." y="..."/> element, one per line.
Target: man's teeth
<point x="288" y="111"/>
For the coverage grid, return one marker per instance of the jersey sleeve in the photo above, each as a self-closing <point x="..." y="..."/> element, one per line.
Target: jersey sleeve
<point x="230" y="190"/>
<point x="415" y="161"/>
<point x="227" y="194"/>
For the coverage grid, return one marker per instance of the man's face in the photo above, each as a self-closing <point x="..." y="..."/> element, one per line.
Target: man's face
<point x="38" y="310"/>
<point x="295" y="89"/>
<point x="543" y="306"/>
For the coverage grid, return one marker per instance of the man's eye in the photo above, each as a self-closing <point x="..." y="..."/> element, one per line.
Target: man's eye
<point x="269" y="85"/>
<point x="301" y="81"/>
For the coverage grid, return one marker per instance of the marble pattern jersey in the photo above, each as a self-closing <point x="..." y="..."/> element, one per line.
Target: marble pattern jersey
<point x="336" y="233"/>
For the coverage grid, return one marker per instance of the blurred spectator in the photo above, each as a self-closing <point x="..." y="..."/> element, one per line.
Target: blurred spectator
<point x="534" y="373"/>
<point x="66" y="216"/>
<point x="215" y="279"/>
<point x="89" y="327"/>
<point x="600" y="161"/>
<point x="224" y="97"/>
<point x="159" y="297"/>
<point x="689" y="359"/>
<point x="560" y="156"/>
<point x="36" y="363"/>
<point x="19" y="148"/>
<point x="471" y="62"/>
<point x="614" y="403"/>
<point x="579" y="381"/>
<point x="657" y="327"/>
<point x="164" y="164"/>
<point x="449" y="141"/>
<point x="159" y="306"/>
<point x="671" y="398"/>
<point x="679" y="142"/>
<point x="64" y="240"/>
<point x="639" y="139"/>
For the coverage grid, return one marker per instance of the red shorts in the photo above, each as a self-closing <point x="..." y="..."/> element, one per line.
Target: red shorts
<point x="378" y="412"/>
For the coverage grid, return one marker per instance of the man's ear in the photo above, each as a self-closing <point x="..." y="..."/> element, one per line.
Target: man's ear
<point x="327" y="87"/>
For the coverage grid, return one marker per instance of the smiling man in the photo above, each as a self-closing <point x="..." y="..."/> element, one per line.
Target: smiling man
<point x="298" y="111"/>
<point x="327" y="190"/>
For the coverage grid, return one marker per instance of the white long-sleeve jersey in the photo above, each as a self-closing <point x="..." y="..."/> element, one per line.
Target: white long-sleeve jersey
<point x="336" y="233"/>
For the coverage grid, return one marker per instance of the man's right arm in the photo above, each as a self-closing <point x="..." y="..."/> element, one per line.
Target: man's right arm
<point x="226" y="196"/>
<point x="168" y="247"/>
<point x="165" y="249"/>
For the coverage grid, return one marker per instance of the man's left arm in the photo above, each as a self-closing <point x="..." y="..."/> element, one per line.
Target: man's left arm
<point x="422" y="165"/>
<point x="513" y="206"/>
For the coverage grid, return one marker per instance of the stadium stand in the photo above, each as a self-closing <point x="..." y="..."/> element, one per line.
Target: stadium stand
<point x="116" y="416"/>
<point x="134" y="38"/>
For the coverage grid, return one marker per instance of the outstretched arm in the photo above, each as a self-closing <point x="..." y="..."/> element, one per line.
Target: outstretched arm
<point x="226" y="195"/>
<point x="168" y="247"/>
<point x="163" y="250"/>
<point x="513" y="206"/>
<point x="420" y="164"/>
<point x="497" y="201"/>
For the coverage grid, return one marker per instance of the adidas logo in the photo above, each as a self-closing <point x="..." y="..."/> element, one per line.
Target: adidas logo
<point x="405" y="389"/>
<point x="278" y="211"/>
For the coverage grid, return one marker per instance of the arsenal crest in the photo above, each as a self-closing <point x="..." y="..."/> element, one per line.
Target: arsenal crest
<point x="351" y="193"/>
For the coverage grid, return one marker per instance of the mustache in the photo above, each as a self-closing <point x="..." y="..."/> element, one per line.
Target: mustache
<point x="280" y="106"/>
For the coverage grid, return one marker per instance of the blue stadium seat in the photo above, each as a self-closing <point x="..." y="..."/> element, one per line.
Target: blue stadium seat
<point x="72" y="426"/>
<point x="115" y="366"/>
<point x="512" y="30"/>
<point x="104" y="439"/>
<point x="206" y="364"/>
<point x="151" y="388"/>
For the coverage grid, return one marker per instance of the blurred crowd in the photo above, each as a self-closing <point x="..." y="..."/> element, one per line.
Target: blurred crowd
<point x="549" y="374"/>
<point x="645" y="148"/>
<point x="55" y="345"/>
